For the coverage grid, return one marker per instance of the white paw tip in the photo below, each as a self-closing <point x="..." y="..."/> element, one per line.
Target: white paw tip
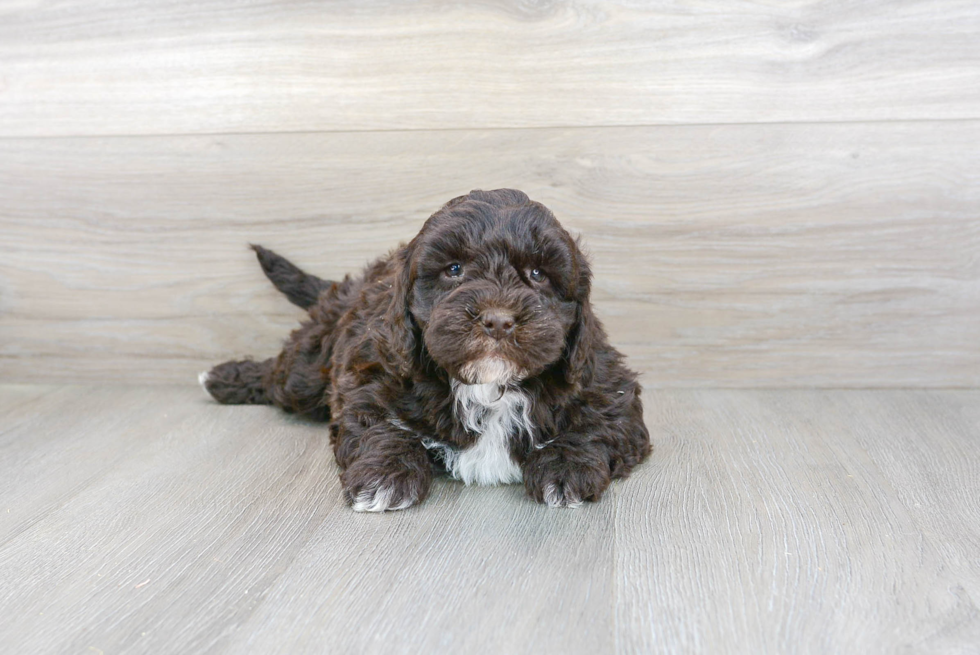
<point x="554" y="498"/>
<point x="202" y="379"/>
<point x="379" y="500"/>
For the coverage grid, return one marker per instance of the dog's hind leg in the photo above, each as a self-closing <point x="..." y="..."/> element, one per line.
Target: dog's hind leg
<point x="296" y="381"/>
<point x="243" y="382"/>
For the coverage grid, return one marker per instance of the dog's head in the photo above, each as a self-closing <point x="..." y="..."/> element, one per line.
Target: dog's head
<point x="496" y="290"/>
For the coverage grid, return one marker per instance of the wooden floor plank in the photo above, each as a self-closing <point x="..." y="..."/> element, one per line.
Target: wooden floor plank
<point x="473" y="570"/>
<point x="766" y="521"/>
<point x="175" y="543"/>
<point x="123" y="67"/>
<point x="763" y="526"/>
<point x="63" y="441"/>
<point x="931" y="460"/>
<point x="821" y="255"/>
<point x="18" y="402"/>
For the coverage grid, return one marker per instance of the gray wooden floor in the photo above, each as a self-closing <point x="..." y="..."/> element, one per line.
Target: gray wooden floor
<point x="151" y="520"/>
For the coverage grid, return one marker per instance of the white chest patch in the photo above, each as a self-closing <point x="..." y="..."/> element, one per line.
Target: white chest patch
<point x="497" y="415"/>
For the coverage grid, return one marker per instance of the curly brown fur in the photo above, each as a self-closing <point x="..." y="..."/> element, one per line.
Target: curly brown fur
<point x="472" y="349"/>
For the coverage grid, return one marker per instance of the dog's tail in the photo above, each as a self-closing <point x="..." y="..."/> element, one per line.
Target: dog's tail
<point x="301" y="288"/>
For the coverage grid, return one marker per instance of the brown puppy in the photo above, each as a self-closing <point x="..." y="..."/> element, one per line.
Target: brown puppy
<point x="473" y="349"/>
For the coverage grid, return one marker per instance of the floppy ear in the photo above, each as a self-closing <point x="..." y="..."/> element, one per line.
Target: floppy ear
<point x="397" y="333"/>
<point x="586" y="332"/>
<point x="580" y="348"/>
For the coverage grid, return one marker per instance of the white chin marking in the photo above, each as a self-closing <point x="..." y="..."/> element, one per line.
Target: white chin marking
<point x="378" y="499"/>
<point x="555" y="498"/>
<point x="490" y="370"/>
<point x="498" y="414"/>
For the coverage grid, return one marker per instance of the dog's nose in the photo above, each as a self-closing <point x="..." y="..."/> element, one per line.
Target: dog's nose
<point x="498" y="323"/>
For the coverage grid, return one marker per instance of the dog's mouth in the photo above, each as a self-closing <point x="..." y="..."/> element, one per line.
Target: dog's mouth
<point x="490" y="340"/>
<point x="491" y="369"/>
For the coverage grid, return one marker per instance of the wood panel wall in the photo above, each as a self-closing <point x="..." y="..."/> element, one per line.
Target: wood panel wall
<point x="773" y="195"/>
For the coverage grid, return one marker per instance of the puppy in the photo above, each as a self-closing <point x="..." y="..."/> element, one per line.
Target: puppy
<point x="472" y="350"/>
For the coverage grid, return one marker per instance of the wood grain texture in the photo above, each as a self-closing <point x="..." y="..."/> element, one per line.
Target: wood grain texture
<point x="173" y="515"/>
<point x="933" y="467"/>
<point x="778" y="255"/>
<point x="766" y="527"/>
<point x="152" y="520"/>
<point x="169" y="67"/>
<point x="487" y="571"/>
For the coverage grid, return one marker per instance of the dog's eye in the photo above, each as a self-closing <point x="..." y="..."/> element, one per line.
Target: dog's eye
<point x="454" y="270"/>
<point x="536" y="275"/>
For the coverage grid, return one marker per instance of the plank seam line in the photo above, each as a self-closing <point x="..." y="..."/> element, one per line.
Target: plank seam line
<point x="525" y="128"/>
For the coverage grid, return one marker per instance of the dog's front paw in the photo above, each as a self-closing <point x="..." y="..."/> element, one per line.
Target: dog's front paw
<point x="375" y="488"/>
<point x="561" y="481"/>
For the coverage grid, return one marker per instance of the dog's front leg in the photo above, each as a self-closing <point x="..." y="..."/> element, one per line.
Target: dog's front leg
<point x="385" y="466"/>
<point x="599" y="445"/>
<point x="567" y="471"/>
